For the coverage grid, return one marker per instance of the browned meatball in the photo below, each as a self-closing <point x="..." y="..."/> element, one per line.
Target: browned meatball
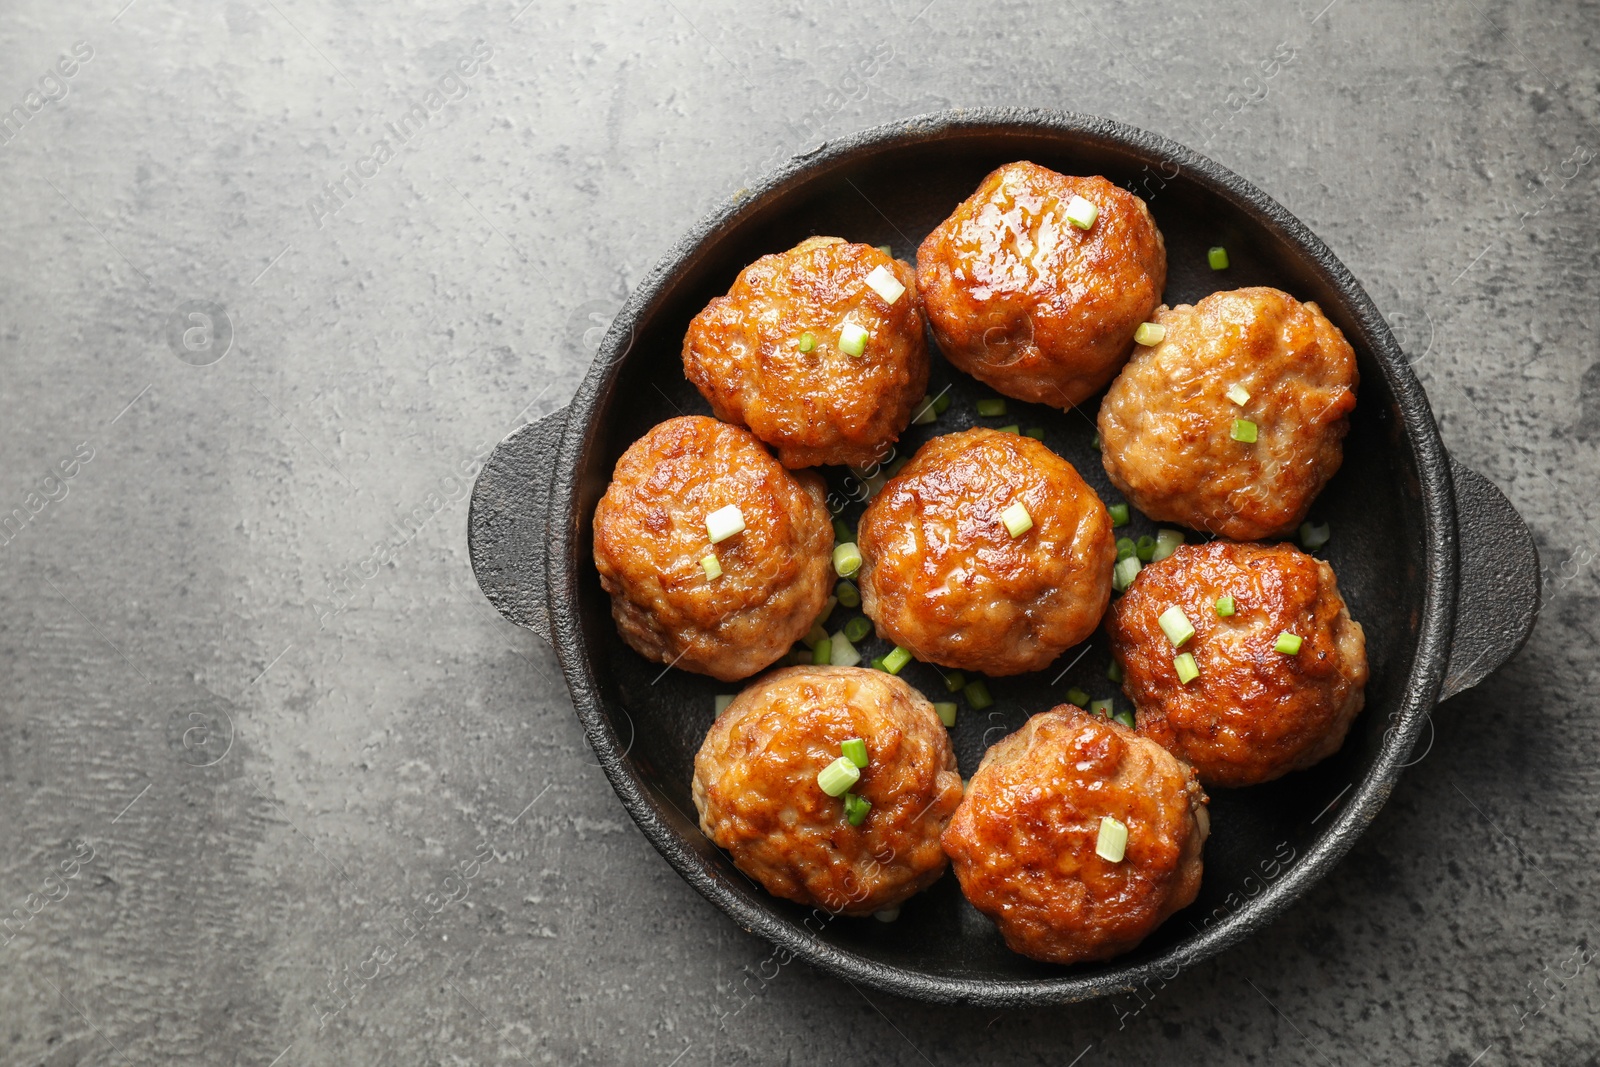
<point x="743" y="352"/>
<point x="1166" y="426"/>
<point x="943" y="576"/>
<point x="1022" y="299"/>
<point x="755" y="786"/>
<point x="650" y="539"/>
<point x="1024" y="839"/>
<point x="1254" y="713"/>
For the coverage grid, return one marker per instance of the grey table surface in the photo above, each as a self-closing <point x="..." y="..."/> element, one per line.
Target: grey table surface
<point x="236" y="756"/>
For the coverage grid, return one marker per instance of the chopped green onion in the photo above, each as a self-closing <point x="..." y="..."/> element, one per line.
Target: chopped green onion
<point x="895" y="659"/>
<point x="1013" y="428"/>
<point x="1145" y="548"/>
<point x="1125" y="717"/>
<point x="1077" y="696"/>
<point x="814" y="636"/>
<point x="1119" y="514"/>
<point x="885" y="284"/>
<point x="1243" y="430"/>
<point x="1017" y="519"/>
<point x="724" y="523"/>
<point x="1217" y="257"/>
<point x="1188" y="670"/>
<point x="1114" y="672"/>
<point x="877" y="664"/>
<point x="1101" y="708"/>
<point x="1149" y="333"/>
<point x="837" y="777"/>
<point x="846" y="559"/>
<point x="897" y="466"/>
<point x="1112" y="843"/>
<point x="808" y="341"/>
<point x="855" y="750"/>
<point x="1312" y="537"/>
<point x="977" y="694"/>
<point x="1094" y="442"/>
<point x="1224" y="606"/>
<point x="941" y="403"/>
<point x="853" y="339"/>
<point x="723" y="700"/>
<point x="1238" y="394"/>
<point x="848" y="594"/>
<point x="875" y="484"/>
<point x="885" y="250"/>
<point x="1081" y="213"/>
<point x="842" y="533"/>
<point x="947" y="712"/>
<point x="857" y="628"/>
<point x="1175" y="624"/>
<point x="827" y="609"/>
<point x="843" y="653"/>
<point x="926" y="413"/>
<point x="991" y="406"/>
<point x="822" y="654"/>
<point x="1288" y="644"/>
<point x="1123" y="574"/>
<point x="712" y="566"/>
<point x="1167" y="542"/>
<point x="1126" y="549"/>
<point x="856" y="808"/>
<point x="1035" y="432"/>
<point x="954" y="681"/>
<point x="887" y="915"/>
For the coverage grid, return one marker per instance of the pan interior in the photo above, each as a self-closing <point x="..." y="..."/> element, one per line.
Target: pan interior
<point x="895" y="196"/>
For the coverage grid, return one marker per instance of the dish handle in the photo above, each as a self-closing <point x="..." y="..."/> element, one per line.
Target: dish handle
<point x="508" y="522"/>
<point x="1498" y="582"/>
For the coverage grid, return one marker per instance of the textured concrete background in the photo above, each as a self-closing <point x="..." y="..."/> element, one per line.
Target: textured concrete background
<point x="266" y="801"/>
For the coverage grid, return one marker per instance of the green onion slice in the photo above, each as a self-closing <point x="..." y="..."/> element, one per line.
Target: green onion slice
<point x="883" y="282"/>
<point x="808" y="341"/>
<point x="814" y="635"/>
<point x="712" y="566"/>
<point x="896" y="659"/>
<point x="947" y="712"/>
<point x="1167" y="542"/>
<point x="1149" y="333"/>
<point x="848" y="594"/>
<point x="1017" y="519"/>
<point x="1243" y="430"/>
<point x="954" y="681"/>
<point x="977" y="694"/>
<point x="1077" y="696"/>
<point x="1287" y="643"/>
<point x="877" y="664"/>
<point x="855" y="750"/>
<point x="1224" y="606"/>
<point x="941" y="403"/>
<point x="1126" y="549"/>
<point x="1239" y="394"/>
<point x="926" y="412"/>
<point x="1217" y="257"/>
<point x="822" y="654"/>
<point x="856" y="808"/>
<point x="722" y="701"/>
<point x="1119" y="514"/>
<point x="1175" y="624"/>
<point x="846" y="559"/>
<point x="1081" y="213"/>
<point x="853" y="339"/>
<point x="1112" y="843"/>
<point x="989" y="407"/>
<point x="1145" y="548"/>
<point x="1035" y="432"/>
<point x="1102" y="708"/>
<point x="724" y="523"/>
<point x="1314" y="537"/>
<point x="841" y="533"/>
<point x="1114" y="672"/>
<point x="884" y="249"/>
<point x="887" y="915"/>
<point x="1188" y="670"/>
<point x="1123" y="574"/>
<point x="843" y="653"/>
<point x="1094" y="442"/>
<point x="827" y="609"/>
<point x="837" y="777"/>
<point x="1125" y="717"/>
<point x="1015" y="428"/>
<point x="857" y="628"/>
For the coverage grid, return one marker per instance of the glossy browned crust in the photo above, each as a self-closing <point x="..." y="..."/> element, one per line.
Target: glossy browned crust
<point x="1254" y="713"/>
<point x="650" y="535"/>
<point x="1023" y="840"/>
<point x="1165" y="423"/>
<point x="821" y="406"/>
<point x="1021" y="299"/>
<point x="942" y="576"/>
<point x="755" y="786"/>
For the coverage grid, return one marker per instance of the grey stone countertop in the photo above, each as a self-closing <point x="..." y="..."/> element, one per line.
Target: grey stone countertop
<point x="233" y="749"/>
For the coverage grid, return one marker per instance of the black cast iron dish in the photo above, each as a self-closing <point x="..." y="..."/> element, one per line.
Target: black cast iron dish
<point x="1433" y="560"/>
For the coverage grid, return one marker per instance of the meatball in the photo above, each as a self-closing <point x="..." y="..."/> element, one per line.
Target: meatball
<point x="943" y="576"/>
<point x="1167" y="425"/>
<point x="655" y="555"/>
<point x="1020" y="298"/>
<point x="755" y="786"/>
<point x="1254" y="713"/>
<point x="1024" y="840"/>
<point x="772" y="354"/>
